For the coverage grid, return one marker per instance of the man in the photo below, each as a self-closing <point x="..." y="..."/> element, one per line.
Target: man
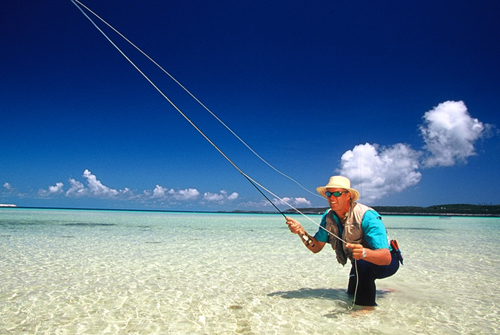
<point x="361" y="227"/>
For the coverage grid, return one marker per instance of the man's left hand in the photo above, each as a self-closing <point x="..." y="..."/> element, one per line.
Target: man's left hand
<point x="357" y="250"/>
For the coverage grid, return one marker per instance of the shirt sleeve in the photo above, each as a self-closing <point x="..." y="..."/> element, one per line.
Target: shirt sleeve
<point x="322" y="235"/>
<point x="374" y="230"/>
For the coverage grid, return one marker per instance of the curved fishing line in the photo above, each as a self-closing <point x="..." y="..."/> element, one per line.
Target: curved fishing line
<point x="194" y="97"/>
<point x="177" y="108"/>
<point x="252" y="181"/>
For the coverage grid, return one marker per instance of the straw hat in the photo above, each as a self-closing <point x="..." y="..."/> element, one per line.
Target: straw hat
<point x="339" y="182"/>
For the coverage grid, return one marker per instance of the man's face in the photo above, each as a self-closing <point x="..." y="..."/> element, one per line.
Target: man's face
<point x="342" y="202"/>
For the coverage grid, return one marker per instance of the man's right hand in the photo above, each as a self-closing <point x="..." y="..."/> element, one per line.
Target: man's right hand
<point x="294" y="226"/>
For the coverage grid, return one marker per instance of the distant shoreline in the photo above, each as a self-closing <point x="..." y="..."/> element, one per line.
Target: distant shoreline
<point x="465" y="210"/>
<point x="437" y="210"/>
<point x="418" y="214"/>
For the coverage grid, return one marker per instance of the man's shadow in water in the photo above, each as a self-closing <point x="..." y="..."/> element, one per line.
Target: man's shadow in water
<point x="341" y="299"/>
<point x="343" y="302"/>
<point x="319" y="293"/>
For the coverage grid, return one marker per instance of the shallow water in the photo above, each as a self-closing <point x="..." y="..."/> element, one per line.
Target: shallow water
<point x="117" y="272"/>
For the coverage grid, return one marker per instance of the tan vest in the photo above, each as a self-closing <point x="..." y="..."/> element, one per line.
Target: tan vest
<point x="352" y="232"/>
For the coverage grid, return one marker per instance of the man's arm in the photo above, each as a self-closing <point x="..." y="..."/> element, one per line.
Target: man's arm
<point x="376" y="235"/>
<point x="378" y="256"/>
<point x="309" y="241"/>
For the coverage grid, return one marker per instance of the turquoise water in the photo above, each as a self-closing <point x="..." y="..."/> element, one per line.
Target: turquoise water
<point x="117" y="272"/>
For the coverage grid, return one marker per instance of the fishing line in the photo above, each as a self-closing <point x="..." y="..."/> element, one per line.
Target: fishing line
<point x="178" y="110"/>
<point x="252" y="181"/>
<point x="192" y="96"/>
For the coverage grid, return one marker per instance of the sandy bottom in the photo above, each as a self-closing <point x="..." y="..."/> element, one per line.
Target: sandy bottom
<point x="142" y="273"/>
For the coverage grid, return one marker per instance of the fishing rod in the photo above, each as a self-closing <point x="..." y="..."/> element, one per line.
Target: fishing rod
<point x="253" y="182"/>
<point x="190" y="94"/>
<point x="258" y="186"/>
<point x="178" y="109"/>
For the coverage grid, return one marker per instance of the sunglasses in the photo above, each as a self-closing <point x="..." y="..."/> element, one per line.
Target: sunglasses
<point x="336" y="194"/>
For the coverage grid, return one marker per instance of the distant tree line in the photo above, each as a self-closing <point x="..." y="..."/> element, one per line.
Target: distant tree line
<point x="451" y="209"/>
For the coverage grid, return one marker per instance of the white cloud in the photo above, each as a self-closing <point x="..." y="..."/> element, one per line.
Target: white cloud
<point x="56" y="189"/>
<point x="376" y="172"/>
<point x="184" y="195"/>
<point x="220" y="198"/>
<point x="96" y="188"/>
<point x="213" y="197"/>
<point x="295" y="202"/>
<point x="302" y="202"/>
<point x="9" y="190"/>
<point x="164" y="193"/>
<point x="76" y="189"/>
<point x="449" y="133"/>
<point x="92" y="187"/>
<point x="233" y="196"/>
<point x="127" y="191"/>
<point x="159" y="192"/>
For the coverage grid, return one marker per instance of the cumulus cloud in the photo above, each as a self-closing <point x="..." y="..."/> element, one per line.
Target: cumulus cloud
<point x="9" y="190"/>
<point x="220" y="198"/>
<point x="449" y="133"/>
<point x="76" y="189"/>
<point x="184" y="195"/>
<point x="159" y="192"/>
<point x="94" y="188"/>
<point x="56" y="189"/>
<point x="377" y="171"/>
<point x="164" y="193"/>
<point x="295" y="202"/>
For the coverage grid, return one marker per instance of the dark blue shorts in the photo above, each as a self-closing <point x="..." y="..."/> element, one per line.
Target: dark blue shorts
<point x="368" y="272"/>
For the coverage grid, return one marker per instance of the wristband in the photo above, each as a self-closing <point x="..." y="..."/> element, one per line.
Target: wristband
<point x="364" y="253"/>
<point x="307" y="240"/>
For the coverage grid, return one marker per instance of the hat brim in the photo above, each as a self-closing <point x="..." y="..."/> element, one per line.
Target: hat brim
<point x="322" y="190"/>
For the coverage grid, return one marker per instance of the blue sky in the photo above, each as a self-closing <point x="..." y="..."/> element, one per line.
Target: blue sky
<point x="402" y="97"/>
